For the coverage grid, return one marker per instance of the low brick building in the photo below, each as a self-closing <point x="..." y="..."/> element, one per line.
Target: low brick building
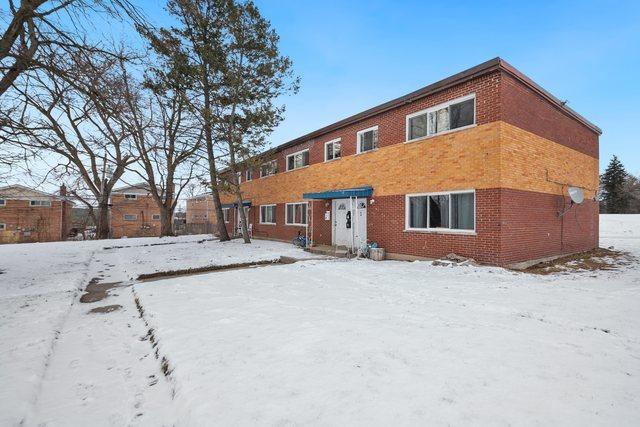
<point x="477" y="164"/>
<point x="28" y="215"/>
<point x="134" y="212"/>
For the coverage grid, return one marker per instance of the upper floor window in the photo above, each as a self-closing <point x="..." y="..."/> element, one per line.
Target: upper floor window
<point x="3" y="202"/>
<point x="156" y="217"/>
<point x="367" y="139"/>
<point x="2" y="226"/>
<point x="130" y="217"/>
<point x="332" y="150"/>
<point x="238" y="177"/>
<point x="454" y="211"/>
<point x="45" y="203"/>
<point x="268" y="168"/>
<point x="298" y="160"/>
<point x="131" y="196"/>
<point x="456" y="114"/>
<point x="248" y="175"/>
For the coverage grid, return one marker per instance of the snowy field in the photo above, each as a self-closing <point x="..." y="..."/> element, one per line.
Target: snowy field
<point x="317" y="342"/>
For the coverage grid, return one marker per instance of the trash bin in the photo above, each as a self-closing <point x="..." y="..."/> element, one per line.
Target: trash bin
<point x="377" y="254"/>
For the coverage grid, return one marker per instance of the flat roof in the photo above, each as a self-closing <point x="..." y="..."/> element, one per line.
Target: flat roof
<point x="456" y="79"/>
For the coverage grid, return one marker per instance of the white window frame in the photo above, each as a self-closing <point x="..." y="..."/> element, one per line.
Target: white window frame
<point x="135" y="217"/>
<point x="3" y="226"/>
<point x="275" y="168"/>
<point x="286" y="220"/>
<point x="363" y="131"/>
<point x="436" y="108"/>
<point x="248" y="175"/>
<point x="239" y="177"/>
<point x="153" y="217"/>
<point x="225" y="215"/>
<point x="274" y="215"/>
<point x="295" y="154"/>
<point x="130" y="196"/>
<point x="40" y="203"/>
<point x="333" y="142"/>
<point x="439" y="229"/>
<point x="3" y="202"/>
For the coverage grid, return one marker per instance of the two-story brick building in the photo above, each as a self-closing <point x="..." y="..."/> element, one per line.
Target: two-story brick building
<point x="477" y="164"/>
<point x="28" y="215"/>
<point x="134" y="212"/>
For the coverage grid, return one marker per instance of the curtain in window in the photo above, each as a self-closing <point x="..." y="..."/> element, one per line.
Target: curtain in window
<point x="439" y="211"/>
<point x="418" y="212"/>
<point x="418" y="126"/>
<point x="462" y="211"/>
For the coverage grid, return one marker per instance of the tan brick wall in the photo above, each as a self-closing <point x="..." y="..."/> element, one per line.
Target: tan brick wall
<point x="494" y="155"/>
<point x="25" y="223"/>
<point x="144" y="207"/>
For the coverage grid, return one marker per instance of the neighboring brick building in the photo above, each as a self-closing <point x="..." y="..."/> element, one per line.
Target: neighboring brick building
<point x="28" y="215"/>
<point x="134" y="213"/>
<point x="477" y="164"/>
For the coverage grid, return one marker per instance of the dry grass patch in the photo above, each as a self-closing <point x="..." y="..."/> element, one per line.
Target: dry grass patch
<point x="594" y="260"/>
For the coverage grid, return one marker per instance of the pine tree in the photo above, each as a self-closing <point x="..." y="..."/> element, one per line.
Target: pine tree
<point x="613" y="183"/>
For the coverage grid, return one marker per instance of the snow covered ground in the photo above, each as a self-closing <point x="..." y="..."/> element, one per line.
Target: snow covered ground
<point x="328" y="342"/>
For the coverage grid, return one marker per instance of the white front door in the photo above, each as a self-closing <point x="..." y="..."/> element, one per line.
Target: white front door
<point x="349" y="222"/>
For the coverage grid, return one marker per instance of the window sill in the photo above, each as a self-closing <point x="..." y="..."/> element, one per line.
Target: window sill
<point x="446" y="132"/>
<point x="332" y="160"/>
<point x="297" y="169"/>
<point x="440" y="231"/>
<point x="267" y="223"/>
<point x="366" y="152"/>
<point x="297" y="225"/>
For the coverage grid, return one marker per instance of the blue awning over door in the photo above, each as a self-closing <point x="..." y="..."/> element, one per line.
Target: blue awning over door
<point x="366" y="191"/>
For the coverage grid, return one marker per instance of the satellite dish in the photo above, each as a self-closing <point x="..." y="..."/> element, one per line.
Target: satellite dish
<point x="576" y="194"/>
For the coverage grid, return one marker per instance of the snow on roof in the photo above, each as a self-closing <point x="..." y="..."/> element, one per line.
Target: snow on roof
<point x="20" y="192"/>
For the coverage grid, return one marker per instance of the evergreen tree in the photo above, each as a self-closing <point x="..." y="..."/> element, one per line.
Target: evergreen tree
<point x="613" y="184"/>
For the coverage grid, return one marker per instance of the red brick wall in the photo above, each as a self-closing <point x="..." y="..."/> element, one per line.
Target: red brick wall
<point x="531" y="228"/>
<point x="527" y="110"/>
<point x="25" y="223"/>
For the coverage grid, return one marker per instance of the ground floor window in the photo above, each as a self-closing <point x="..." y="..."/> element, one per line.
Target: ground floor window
<point x="225" y="214"/>
<point x="2" y="226"/>
<point x="156" y="217"/>
<point x="296" y="213"/>
<point x="130" y="217"/>
<point x="438" y="211"/>
<point x="268" y="214"/>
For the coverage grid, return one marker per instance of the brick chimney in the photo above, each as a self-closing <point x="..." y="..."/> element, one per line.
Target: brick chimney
<point x="63" y="190"/>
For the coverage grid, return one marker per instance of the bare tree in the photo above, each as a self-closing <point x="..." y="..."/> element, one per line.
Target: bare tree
<point x="73" y="119"/>
<point x="196" y="42"/>
<point x="162" y="129"/>
<point x="37" y="30"/>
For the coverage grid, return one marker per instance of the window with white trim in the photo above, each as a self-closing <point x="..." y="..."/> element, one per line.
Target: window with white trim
<point x="296" y="213"/>
<point x="298" y="160"/>
<point x="248" y="174"/>
<point x="131" y="196"/>
<point x="3" y="226"/>
<point x="3" y="202"/>
<point x="267" y="214"/>
<point x="367" y="139"/>
<point x="239" y="177"/>
<point x="332" y="149"/>
<point x="269" y="168"/>
<point x="225" y="214"/>
<point x="451" y="115"/>
<point x="41" y="203"/>
<point x="156" y="217"/>
<point x="453" y="211"/>
<point x="130" y="217"/>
